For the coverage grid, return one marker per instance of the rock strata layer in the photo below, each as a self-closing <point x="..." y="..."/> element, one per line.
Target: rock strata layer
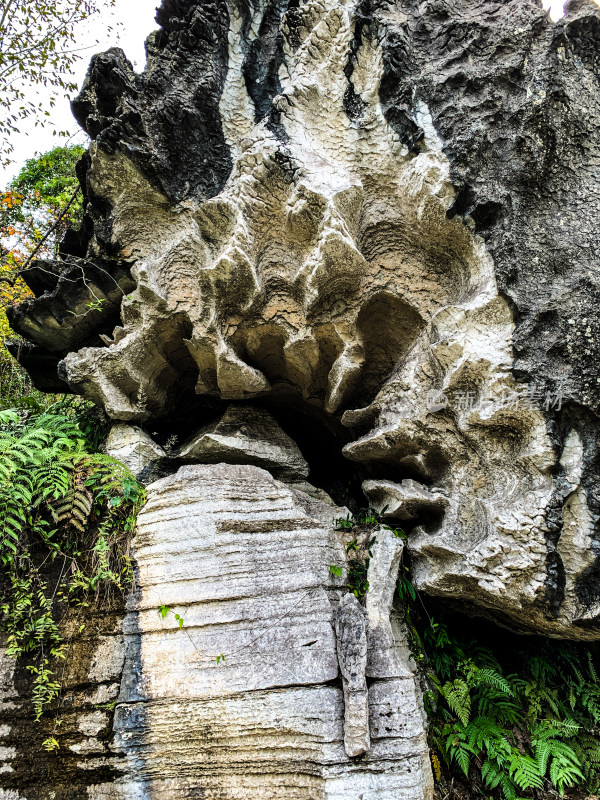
<point x="245" y="700"/>
<point x="261" y="694"/>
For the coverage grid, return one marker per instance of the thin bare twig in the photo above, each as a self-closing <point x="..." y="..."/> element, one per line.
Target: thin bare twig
<point x="11" y="280"/>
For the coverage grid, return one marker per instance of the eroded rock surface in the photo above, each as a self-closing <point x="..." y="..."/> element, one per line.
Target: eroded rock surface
<point x="239" y="557"/>
<point x="133" y="447"/>
<point x="376" y="221"/>
<point x="246" y="435"/>
<point x="338" y="230"/>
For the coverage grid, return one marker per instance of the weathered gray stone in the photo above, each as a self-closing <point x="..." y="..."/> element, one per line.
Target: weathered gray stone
<point x="246" y="435"/>
<point x="234" y="552"/>
<point x="387" y="648"/>
<point x="329" y="252"/>
<point x="317" y="493"/>
<point x="403" y="501"/>
<point x="350" y="224"/>
<point x="351" y="635"/>
<point x="133" y="447"/>
<point x="385" y="214"/>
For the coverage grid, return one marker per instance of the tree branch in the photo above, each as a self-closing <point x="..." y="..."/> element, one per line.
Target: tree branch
<point x="11" y="280"/>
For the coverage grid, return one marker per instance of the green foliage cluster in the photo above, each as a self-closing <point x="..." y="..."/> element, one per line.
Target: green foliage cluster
<point x="66" y="514"/>
<point x="163" y="610"/>
<point x="35" y="212"/>
<point x="519" y="718"/>
<point x="45" y="187"/>
<point x="39" y="48"/>
<point x="359" y="550"/>
<point x="51" y="176"/>
<point x="38" y="207"/>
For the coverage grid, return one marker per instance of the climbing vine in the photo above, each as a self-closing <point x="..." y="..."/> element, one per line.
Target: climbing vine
<point x="66" y="515"/>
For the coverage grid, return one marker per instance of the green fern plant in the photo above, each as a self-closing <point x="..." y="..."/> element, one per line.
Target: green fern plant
<point x="518" y="721"/>
<point x="58" y="498"/>
<point x="524" y="732"/>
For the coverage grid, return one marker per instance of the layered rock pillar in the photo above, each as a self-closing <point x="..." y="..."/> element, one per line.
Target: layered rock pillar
<point x="245" y="700"/>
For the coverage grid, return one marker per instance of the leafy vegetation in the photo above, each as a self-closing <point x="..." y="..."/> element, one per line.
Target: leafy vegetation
<point x="38" y="50"/>
<point x="517" y="717"/>
<point x="163" y="610"/>
<point x="359" y="548"/>
<point x="39" y="205"/>
<point x="66" y="514"/>
<point x="35" y="211"/>
<point x="66" y="510"/>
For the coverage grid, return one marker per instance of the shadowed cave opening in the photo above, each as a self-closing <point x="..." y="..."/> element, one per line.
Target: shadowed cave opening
<point x="319" y="436"/>
<point x="492" y="630"/>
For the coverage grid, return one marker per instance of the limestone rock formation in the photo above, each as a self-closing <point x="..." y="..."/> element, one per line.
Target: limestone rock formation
<point x="377" y="222"/>
<point x="243" y="701"/>
<point x="245" y="435"/>
<point x="133" y="447"/>
<point x="337" y="252"/>
<point x="246" y="691"/>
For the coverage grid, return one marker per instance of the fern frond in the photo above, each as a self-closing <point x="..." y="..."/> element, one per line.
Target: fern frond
<point x="458" y="697"/>
<point x="492" y="678"/>
<point x="524" y="771"/>
<point x="592" y="667"/>
<point x="75" y="507"/>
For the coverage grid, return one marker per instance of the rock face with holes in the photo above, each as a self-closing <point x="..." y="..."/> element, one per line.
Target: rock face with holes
<point x="377" y="223"/>
<point x="336" y="233"/>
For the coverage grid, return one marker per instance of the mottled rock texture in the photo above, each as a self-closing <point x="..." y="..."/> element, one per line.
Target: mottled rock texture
<point x="91" y="679"/>
<point x="373" y="204"/>
<point x="376" y="221"/>
<point x="133" y="447"/>
<point x="248" y="570"/>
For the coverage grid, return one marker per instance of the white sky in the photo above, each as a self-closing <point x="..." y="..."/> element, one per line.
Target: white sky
<point x="136" y="18"/>
<point x="136" y="21"/>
